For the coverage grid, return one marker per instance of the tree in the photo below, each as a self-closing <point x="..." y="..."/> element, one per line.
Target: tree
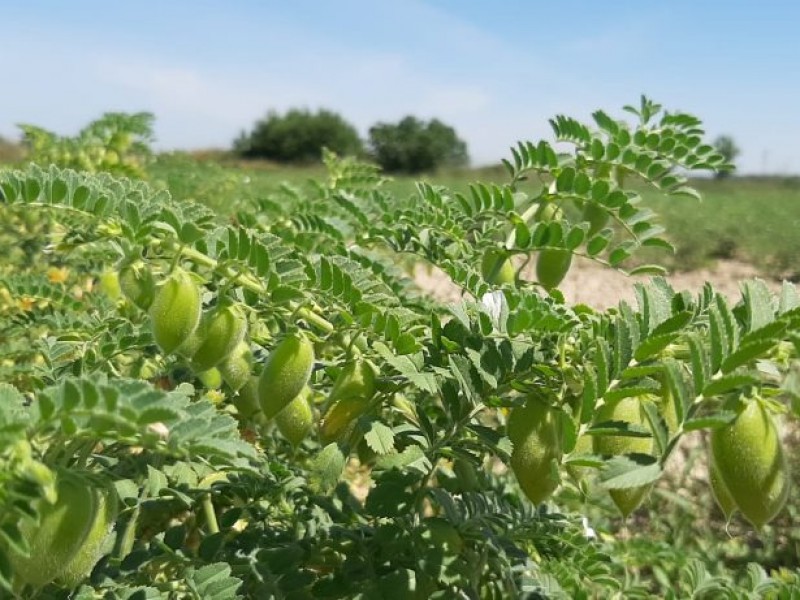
<point x="413" y="146"/>
<point x="725" y="145"/>
<point x="298" y="137"/>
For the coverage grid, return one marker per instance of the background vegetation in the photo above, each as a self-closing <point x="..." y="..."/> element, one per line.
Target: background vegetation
<point x="414" y="146"/>
<point x="754" y="219"/>
<point x="298" y="137"/>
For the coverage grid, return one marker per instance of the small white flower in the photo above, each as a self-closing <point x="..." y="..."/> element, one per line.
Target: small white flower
<point x="588" y="532"/>
<point x="161" y="430"/>
<point x="494" y="303"/>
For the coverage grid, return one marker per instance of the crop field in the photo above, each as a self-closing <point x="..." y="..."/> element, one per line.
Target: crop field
<point x="751" y="220"/>
<point x="576" y="375"/>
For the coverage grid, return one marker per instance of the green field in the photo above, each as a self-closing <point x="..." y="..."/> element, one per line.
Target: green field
<point x="755" y="220"/>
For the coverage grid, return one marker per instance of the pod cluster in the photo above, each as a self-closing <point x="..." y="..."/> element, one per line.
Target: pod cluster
<point x="215" y="345"/>
<point x="748" y="467"/>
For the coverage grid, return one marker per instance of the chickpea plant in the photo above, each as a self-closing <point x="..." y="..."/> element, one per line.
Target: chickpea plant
<point x="115" y="143"/>
<point x="269" y="408"/>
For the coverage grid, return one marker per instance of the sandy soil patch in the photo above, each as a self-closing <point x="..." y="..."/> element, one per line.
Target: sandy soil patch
<point x="600" y="287"/>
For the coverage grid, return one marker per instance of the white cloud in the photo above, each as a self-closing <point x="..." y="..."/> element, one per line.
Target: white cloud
<point x="457" y="100"/>
<point x="420" y="60"/>
<point x="180" y="90"/>
<point x="200" y="107"/>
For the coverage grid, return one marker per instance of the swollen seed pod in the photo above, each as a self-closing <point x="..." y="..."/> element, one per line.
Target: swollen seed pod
<point x="246" y="399"/>
<point x="62" y="529"/>
<point x="496" y="267"/>
<point x="175" y="311"/>
<point x="296" y="420"/>
<point x="583" y="445"/>
<point x="236" y="369"/>
<point x="629" y="410"/>
<point x="89" y="553"/>
<point x="443" y="535"/>
<point x="720" y="491"/>
<point x="749" y="458"/>
<point x="548" y="211"/>
<point x="211" y="379"/>
<point x="109" y="284"/>
<point x="535" y="432"/>
<point x="466" y="474"/>
<point x="349" y="399"/>
<point x="285" y="374"/>
<point x="218" y="334"/>
<point x="629" y="499"/>
<point x="137" y="284"/>
<point x="552" y="266"/>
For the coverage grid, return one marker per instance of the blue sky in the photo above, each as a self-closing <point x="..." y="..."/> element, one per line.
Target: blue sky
<point x="496" y="71"/>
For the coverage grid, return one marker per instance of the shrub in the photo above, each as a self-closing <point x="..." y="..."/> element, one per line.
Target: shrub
<point x="414" y="146"/>
<point x="298" y="137"/>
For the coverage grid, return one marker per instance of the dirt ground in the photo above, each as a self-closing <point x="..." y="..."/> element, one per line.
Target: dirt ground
<point x="600" y="287"/>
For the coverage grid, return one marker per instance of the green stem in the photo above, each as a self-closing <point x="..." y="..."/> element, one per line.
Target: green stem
<point x="529" y="212"/>
<point x="252" y="284"/>
<point x="433" y="452"/>
<point x="352" y="348"/>
<point x="128" y="535"/>
<point x="54" y="450"/>
<point x="175" y="259"/>
<point x="210" y="515"/>
<point x="84" y="452"/>
<point x="128" y="538"/>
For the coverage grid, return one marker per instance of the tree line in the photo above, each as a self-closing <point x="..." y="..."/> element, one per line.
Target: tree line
<point x="410" y="145"/>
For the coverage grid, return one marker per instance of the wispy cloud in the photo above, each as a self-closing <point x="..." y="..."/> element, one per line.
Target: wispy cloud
<point x="224" y="103"/>
<point x="496" y="74"/>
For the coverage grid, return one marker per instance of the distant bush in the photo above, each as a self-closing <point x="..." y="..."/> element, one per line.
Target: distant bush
<point x="298" y="137"/>
<point x="725" y="145"/>
<point x="413" y="146"/>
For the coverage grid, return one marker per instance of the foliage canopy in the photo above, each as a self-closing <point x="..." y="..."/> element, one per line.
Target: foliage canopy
<point x="411" y="497"/>
<point x="414" y="146"/>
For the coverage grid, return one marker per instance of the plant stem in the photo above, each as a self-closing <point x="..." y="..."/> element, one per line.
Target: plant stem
<point x="129" y="534"/>
<point x="128" y="538"/>
<point x="210" y="515"/>
<point x="252" y="284"/>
